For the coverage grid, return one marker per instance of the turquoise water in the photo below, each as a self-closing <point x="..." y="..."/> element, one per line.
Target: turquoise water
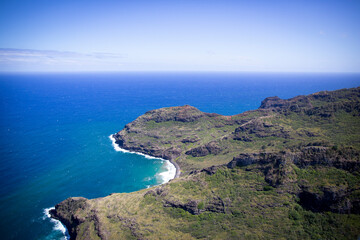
<point x="54" y="131"/>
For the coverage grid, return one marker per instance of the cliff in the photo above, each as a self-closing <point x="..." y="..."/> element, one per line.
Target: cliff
<point x="290" y="169"/>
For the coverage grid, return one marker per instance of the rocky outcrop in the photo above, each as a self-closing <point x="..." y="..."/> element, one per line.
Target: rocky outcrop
<point x="190" y="139"/>
<point x="181" y="114"/>
<point x="333" y="100"/>
<point x="292" y="104"/>
<point x="209" y="148"/>
<point x="191" y="206"/>
<point x="246" y="159"/>
<point x="160" y="191"/>
<point x="259" y="129"/>
<point x="278" y="171"/>
<point x="196" y="207"/>
<point x="347" y="159"/>
<point x="152" y="150"/>
<point x="210" y="170"/>
<point x="335" y="199"/>
<point x="66" y="212"/>
<point x="73" y="212"/>
<point x="276" y="166"/>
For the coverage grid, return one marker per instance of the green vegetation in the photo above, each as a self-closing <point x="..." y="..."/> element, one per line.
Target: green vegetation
<point x="252" y="210"/>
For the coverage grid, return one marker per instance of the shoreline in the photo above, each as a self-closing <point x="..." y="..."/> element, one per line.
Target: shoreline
<point x="177" y="167"/>
<point x="174" y="164"/>
<point x="58" y="225"/>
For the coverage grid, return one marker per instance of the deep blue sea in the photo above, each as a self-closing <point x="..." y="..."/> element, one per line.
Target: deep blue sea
<point x="54" y="131"/>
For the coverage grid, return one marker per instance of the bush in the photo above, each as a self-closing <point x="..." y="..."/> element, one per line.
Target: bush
<point x="294" y="215"/>
<point x="201" y="205"/>
<point x="268" y="188"/>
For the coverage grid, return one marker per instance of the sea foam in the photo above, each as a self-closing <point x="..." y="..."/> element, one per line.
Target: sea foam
<point x="165" y="176"/>
<point x="58" y="226"/>
<point x="170" y="172"/>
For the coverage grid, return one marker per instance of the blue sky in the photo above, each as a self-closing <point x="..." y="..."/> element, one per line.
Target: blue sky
<point x="194" y="35"/>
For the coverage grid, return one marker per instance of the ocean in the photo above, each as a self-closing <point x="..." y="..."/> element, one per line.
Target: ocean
<point x="55" y="128"/>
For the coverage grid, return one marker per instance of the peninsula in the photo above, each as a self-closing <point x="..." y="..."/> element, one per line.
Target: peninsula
<point x="288" y="170"/>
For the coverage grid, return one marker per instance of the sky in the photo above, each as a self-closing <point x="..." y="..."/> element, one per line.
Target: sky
<point x="182" y="35"/>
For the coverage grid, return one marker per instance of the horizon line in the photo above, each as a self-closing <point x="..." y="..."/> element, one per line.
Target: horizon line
<point x="174" y="71"/>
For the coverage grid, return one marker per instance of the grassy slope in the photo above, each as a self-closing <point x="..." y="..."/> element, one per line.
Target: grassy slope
<point x="252" y="209"/>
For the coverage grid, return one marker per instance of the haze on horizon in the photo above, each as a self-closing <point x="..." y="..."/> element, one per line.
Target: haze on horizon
<point x="197" y="35"/>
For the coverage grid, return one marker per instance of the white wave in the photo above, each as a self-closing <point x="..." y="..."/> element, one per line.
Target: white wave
<point x="170" y="172"/>
<point x="165" y="176"/>
<point x="58" y="226"/>
<point x="119" y="149"/>
<point x="116" y="147"/>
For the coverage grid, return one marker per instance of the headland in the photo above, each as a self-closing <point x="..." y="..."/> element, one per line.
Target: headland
<point x="287" y="170"/>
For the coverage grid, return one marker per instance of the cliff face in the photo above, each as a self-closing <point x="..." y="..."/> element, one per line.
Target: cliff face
<point x="291" y="167"/>
<point x="66" y="212"/>
<point x="283" y="171"/>
<point x="291" y="104"/>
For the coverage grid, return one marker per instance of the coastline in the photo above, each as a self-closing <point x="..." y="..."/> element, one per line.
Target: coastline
<point x="172" y="163"/>
<point x="58" y="225"/>
<point x="104" y="210"/>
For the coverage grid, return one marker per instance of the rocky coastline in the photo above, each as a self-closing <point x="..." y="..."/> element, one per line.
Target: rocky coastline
<point x="118" y="141"/>
<point x="293" y="162"/>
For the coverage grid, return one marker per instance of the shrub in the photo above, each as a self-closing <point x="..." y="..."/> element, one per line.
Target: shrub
<point x="268" y="188"/>
<point x="201" y="205"/>
<point x="294" y="215"/>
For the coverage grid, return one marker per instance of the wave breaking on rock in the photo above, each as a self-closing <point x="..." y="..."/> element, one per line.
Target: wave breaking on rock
<point x="166" y="176"/>
<point x="58" y="226"/>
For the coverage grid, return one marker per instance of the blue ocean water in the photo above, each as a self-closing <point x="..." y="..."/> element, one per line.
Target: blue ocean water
<point x="54" y="131"/>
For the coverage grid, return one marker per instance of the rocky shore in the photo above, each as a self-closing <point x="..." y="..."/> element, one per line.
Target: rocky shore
<point x="118" y="141"/>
